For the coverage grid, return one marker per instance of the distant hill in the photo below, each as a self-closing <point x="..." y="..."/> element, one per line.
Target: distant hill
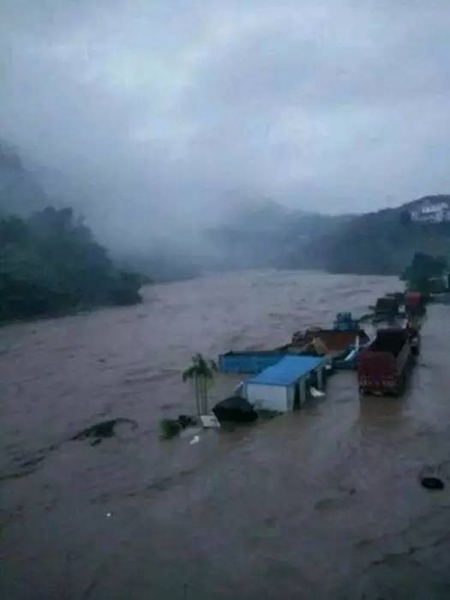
<point x="267" y="234"/>
<point x="383" y="242"/>
<point x="436" y="198"/>
<point x="260" y="233"/>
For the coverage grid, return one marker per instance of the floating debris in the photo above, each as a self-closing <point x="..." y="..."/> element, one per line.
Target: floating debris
<point x="186" y="421"/>
<point x="315" y="393"/>
<point x="210" y="422"/>
<point x="102" y="430"/>
<point x="266" y="414"/>
<point x="432" y="483"/>
<point x="171" y="427"/>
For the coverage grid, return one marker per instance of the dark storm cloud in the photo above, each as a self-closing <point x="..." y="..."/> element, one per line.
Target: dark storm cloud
<point x="354" y="108"/>
<point x="149" y="110"/>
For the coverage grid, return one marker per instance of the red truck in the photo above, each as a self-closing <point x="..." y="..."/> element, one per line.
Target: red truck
<point x="383" y="366"/>
<point x="415" y="304"/>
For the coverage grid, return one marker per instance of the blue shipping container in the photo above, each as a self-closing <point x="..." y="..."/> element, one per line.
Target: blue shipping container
<point x="249" y="362"/>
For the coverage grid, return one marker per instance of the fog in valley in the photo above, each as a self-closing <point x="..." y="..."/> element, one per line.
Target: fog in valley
<point x="160" y="120"/>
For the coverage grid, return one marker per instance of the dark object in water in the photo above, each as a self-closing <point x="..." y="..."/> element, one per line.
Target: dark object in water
<point x="387" y="306"/>
<point x="432" y="483"/>
<point x="171" y="427"/>
<point x="235" y="410"/>
<point x="266" y="414"/>
<point x="101" y="430"/>
<point x="186" y="421"/>
<point x="344" y="321"/>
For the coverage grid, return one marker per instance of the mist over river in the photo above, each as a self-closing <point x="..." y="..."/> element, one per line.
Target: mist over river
<point x="323" y="503"/>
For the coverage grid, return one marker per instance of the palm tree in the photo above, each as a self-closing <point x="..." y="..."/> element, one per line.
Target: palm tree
<point x="201" y="372"/>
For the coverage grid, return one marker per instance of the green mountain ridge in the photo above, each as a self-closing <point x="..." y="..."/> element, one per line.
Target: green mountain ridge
<point x="380" y="242"/>
<point x="261" y="233"/>
<point x="384" y="242"/>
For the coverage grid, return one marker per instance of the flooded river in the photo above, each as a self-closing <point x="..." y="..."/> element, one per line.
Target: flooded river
<point x="324" y="503"/>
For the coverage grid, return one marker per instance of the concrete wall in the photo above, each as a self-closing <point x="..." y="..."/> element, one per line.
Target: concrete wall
<point x="270" y="397"/>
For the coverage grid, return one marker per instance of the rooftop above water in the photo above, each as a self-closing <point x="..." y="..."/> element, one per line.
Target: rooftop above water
<point x="289" y="370"/>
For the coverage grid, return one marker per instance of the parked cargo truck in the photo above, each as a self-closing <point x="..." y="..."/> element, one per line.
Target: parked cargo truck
<point x="415" y="304"/>
<point x="384" y="365"/>
<point x="388" y="306"/>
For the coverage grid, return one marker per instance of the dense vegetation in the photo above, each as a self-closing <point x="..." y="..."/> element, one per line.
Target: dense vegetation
<point x="425" y="273"/>
<point x="50" y="263"/>
<point x="424" y="265"/>
<point x="380" y="243"/>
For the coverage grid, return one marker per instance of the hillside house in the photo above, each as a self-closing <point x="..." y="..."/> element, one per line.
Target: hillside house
<point x="431" y="212"/>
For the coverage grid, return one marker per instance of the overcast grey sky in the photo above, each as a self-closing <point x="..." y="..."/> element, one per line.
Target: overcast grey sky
<point x="157" y="107"/>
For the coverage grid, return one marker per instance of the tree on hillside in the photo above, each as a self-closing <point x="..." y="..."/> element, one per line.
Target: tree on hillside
<point x="422" y="270"/>
<point x="381" y="243"/>
<point x="424" y="265"/>
<point x="201" y="372"/>
<point x="12" y="231"/>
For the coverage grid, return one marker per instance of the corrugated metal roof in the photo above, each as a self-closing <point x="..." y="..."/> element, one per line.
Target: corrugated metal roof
<point x="289" y="370"/>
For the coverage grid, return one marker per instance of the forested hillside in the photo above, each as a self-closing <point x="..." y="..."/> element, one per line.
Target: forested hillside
<point x="50" y="261"/>
<point x="50" y="264"/>
<point x="382" y="242"/>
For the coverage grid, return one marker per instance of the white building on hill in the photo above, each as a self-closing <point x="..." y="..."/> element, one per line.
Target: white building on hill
<point x="431" y="212"/>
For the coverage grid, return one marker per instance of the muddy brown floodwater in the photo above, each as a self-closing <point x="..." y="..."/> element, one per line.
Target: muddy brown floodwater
<point x="323" y="503"/>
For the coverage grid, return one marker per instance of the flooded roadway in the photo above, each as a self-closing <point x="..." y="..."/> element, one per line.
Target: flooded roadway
<point x="323" y="503"/>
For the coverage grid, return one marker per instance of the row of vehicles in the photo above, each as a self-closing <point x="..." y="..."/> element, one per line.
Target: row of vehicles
<point x="382" y="361"/>
<point x="384" y="365"/>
